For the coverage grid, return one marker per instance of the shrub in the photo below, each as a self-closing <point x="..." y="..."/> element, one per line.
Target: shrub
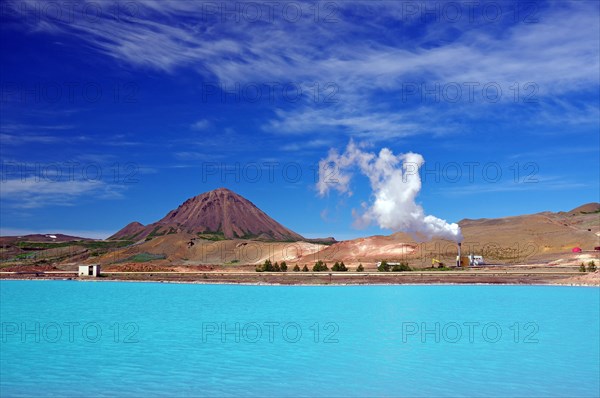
<point x="591" y="267"/>
<point x="383" y="267"/>
<point x="343" y="267"/>
<point x="296" y="268"/>
<point x="305" y="268"/>
<point x="401" y="267"/>
<point x="266" y="267"/>
<point x="582" y="268"/>
<point x="320" y="266"/>
<point x="360" y="268"/>
<point x="283" y="266"/>
<point x="336" y="267"/>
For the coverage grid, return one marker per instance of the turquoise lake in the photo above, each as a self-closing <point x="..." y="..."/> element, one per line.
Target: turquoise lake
<point x="69" y="338"/>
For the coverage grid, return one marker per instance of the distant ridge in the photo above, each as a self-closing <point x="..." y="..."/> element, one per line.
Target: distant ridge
<point x="44" y="238"/>
<point x="592" y="207"/>
<point x="219" y="212"/>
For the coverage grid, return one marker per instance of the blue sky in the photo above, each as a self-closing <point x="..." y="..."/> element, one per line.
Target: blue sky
<point x="119" y="111"/>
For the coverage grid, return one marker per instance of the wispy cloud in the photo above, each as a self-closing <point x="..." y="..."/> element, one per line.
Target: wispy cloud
<point x="559" y="54"/>
<point x="16" y="127"/>
<point x="376" y="126"/>
<point x="311" y="144"/>
<point x="32" y="193"/>
<point x="201" y="125"/>
<point x="23" y="139"/>
<point x="541" y="184"/>
<point x="197" y="156"/>
<point x="556" y="152"/>
<point x="23" y="134"/>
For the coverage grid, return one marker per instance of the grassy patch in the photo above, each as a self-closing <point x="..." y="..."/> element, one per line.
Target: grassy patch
<point x="155" y="232"/>
<point x="104" y="244"/>
<point x="42" y="245"/>
<point x="89" y="244"/>
<point x="131" y="237"/>
<point x="142" y="258"/>
<point x="23" y="256"/>
<point x="214" y="236"/>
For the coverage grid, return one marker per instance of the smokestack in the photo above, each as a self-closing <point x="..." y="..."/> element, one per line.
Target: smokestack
<point x="458" y="264"/>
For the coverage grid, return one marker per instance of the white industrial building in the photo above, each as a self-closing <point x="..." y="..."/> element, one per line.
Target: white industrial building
<point x="89" y="270"/>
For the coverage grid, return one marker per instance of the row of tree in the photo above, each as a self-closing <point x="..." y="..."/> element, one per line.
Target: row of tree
<point x="268" y="266"/>
<point x="319" y="266"/>
<point x="590" y="268"/>
<point x="386" y="267"/>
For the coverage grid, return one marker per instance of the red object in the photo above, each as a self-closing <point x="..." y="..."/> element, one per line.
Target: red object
<point x="576" y="250"/>
<point x="597" y="248"/>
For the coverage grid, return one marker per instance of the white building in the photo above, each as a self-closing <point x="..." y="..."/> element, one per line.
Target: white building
<point x="390" y="264"/>
<point x="471" y="260"/>
<point x="89" y="270"/>
<point x="476" y="260"/>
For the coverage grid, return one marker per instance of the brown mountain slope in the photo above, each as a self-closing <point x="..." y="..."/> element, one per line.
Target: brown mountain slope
<point x="189" y="249"/>
<point x="593" y="207"/>
<point x="130" y="230"/>
<point x="543" y="232"/>
<point x="518" y="239"/>
<point x="220" y="212"/>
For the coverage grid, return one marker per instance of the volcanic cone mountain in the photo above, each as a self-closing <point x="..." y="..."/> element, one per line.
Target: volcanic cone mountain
<point x="221" y="213"/>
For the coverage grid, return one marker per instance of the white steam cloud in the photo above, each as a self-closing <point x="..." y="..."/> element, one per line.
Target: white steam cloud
<point x="395" y="182"/>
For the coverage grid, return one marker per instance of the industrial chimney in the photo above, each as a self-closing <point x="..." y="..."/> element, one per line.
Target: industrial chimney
<point x="458" y="264"/>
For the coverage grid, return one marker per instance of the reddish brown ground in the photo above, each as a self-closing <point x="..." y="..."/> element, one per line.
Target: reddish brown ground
<point x="199" y="275"/>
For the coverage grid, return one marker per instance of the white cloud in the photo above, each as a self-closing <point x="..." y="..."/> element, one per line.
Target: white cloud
<point x="311" y="144"/>
<point x="201" y="124"/>
<point x="395" y="183"/>
<point x="32" y="193"/>
<point x="22" y="139"/>
<point x="559" y="54"/>
<point x="537" y="184"/>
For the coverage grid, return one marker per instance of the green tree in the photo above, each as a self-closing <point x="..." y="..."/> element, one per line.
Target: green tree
<point x="401" y="267"/>
<point x="296" y="268"/>
<point x="283" y="266"/>
<point x="591" y="266"/>
<point x="582" y="267"/>
<point x="267" y="266"/>
<point x="343" y="267"/>
<point x="320" y="266"/>
<point x="383" y="267"/>
<point x="360" y="268"/>
<point x="336" y="267"/>
<point x="305" y="268"/>
<point x="276" y="267"/>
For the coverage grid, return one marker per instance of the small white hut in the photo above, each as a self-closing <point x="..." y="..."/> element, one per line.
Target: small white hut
<point x="89" y="270"/>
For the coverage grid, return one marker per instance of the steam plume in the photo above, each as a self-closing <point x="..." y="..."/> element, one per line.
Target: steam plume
<point x="395" y="182"/>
